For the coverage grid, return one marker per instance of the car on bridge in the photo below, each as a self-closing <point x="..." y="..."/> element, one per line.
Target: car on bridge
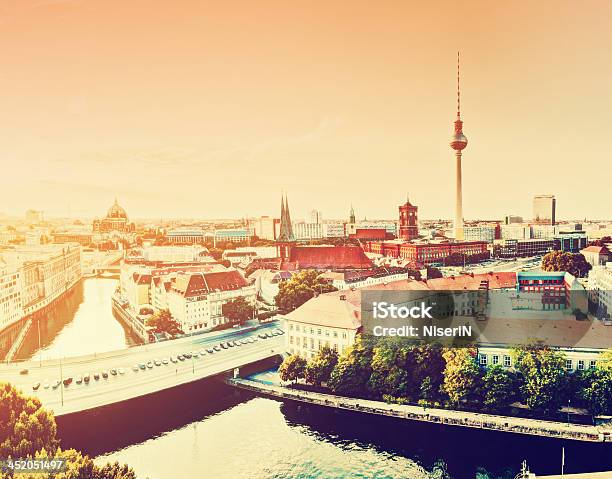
<point x="67" y="381"/>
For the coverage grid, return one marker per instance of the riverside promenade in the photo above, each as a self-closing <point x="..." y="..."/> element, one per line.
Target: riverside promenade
<point x="516" y="425"/>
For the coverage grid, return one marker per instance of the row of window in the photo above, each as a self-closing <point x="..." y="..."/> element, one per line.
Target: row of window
<point x="319" y="331"/>
<point x="507" y="362"/>
<point x="484" y="360"/>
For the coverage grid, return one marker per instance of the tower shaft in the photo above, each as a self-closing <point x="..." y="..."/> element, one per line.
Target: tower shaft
<point x="458" y="199"/>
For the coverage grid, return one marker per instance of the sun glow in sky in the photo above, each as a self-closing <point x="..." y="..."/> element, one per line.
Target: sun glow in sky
<point x="208" y="109"/>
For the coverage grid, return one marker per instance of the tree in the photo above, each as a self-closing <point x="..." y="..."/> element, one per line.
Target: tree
<point x="25" y="426"/>
<point x="404" y="370"/>
<point x="390" y="369"/>
<point x="292" y="368"/>
<point x="351" y="375"/>
<point x="163" y="322"/>
<point x="601" y="242"/>
<point x="542" y="372"/>
<point x="28" y="430"/>
<point x="319" y="368"/>
<point x="605" y="361"/>
<point x="598" y="392"/>
<point x="300" y="288"/>
<point x="575" y="264"/>
<point x="461" y="374"/>
<point x="433" y="273"/>
<point x="238" y="310"/>
<point x="500" y="388"/>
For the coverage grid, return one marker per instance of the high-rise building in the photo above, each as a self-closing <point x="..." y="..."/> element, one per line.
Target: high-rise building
<point x="544" y="207"/>
<point x="408" y="221"/>
<point x="316" y="216"/>
<point x="265" y="227"/>
<point x="458" y="143"/>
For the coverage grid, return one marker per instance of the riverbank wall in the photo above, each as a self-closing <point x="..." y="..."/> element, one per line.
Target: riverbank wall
<point x="129" y="319"/>
<point x="509" y="424"/>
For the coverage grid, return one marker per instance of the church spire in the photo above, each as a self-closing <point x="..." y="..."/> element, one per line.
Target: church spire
<point x="286" y="230"/>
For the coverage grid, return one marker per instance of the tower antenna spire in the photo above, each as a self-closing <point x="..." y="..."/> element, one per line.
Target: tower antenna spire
<point x="458" y="89"/>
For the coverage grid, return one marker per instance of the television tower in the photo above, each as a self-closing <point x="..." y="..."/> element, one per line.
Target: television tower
<point x="458" y="143"/>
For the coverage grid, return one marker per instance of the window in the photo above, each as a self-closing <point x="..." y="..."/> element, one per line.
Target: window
<point x="483" y="359"/>
<point x="580" y="365"/>
<point x="495" y="359"/>
<point x="507" y="361"/>
<point x="569" y="364"/>
<point x="592" y="364"/>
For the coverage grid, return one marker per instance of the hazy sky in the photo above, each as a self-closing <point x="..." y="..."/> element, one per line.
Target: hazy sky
<point x="209" y="109"/>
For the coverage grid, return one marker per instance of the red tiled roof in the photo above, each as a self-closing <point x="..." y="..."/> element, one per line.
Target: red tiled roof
<point x="197" y="284"/>
<point x="225" y="280"/>
<point x="327" y="257"/>
<point x="472" y="282"/>
<point x="370" y="233"/>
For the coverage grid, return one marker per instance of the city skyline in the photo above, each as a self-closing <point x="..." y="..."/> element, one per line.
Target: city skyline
<point x="155" y="104"/>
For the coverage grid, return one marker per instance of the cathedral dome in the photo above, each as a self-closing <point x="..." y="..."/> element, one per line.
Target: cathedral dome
<point x="116" y="211"/>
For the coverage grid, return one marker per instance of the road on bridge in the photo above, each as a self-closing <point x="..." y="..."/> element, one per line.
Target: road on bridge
<point x="130" y="381"/>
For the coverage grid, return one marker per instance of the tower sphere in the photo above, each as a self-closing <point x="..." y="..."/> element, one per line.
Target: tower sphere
<point x="458" y="141"/>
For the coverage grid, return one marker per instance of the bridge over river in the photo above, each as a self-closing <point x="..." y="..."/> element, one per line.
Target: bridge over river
<point x="130" y="381"/>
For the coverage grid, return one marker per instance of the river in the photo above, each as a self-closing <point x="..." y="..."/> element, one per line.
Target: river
<point x="209" y="429"/>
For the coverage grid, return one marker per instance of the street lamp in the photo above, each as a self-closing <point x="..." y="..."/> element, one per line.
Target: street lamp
<point x="61" y="382"/>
